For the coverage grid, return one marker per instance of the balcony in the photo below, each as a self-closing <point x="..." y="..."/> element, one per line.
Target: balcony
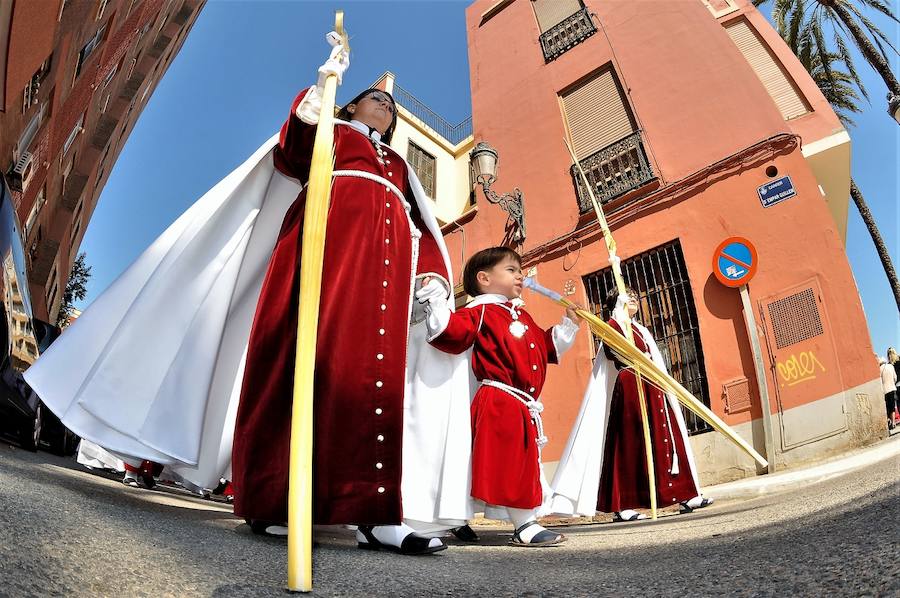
<point x="613" y="171"/>
<point x="103" y="132"/>
<point x="43" y="256"/>
<point x="567" y="34"/>
<point x="162" y="42"/>
<point x="75" y="185"/>
<point x="452" y="133"/>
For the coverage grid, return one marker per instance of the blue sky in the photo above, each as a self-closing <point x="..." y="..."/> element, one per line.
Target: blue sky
<point x="244" y="61"/>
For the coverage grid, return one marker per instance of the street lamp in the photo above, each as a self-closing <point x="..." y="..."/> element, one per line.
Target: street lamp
<point x="894" y="106"/>
<point x="484" y="160"/>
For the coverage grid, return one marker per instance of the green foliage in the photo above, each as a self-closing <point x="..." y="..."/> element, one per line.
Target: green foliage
<point x="76" y="289"/>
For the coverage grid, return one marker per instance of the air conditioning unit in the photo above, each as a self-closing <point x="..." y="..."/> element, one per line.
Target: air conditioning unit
<point x="22" y="172"/>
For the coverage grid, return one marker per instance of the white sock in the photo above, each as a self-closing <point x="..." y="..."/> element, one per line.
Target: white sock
<point x="520" y="517"/>
<point x="394" y="534"/>
<point x="629" y="513"/>
<point x="697" y="501"/>
<point x="277" y="530"/>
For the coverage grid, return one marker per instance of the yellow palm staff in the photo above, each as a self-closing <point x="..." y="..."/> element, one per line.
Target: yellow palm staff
<point x="318" y="194"/>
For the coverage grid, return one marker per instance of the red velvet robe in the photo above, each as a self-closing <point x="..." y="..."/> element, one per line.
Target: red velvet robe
<point x="361" y="352"/>
<point x="623" y="479"/>
<point x="505" y="459"/>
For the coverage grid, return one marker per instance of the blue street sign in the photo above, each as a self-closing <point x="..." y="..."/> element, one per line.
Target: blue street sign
<point x="776" y="191"/>
<point x="735" y="261"/>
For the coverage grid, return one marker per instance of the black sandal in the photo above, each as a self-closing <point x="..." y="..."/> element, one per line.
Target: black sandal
<point x="261" y="528"/>
<point x="542" y="538"/>
<point x="465" y="534"/>
<point x="412" y="545"/>
<point x="617" y="517"/>
<point x="704" y="502"/>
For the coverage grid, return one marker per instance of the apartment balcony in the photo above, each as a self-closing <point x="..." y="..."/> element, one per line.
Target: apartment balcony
<point x="613" y="171"/>
<point x="105" y="128"/>
<point x="43" y="256"/>
<point x="75" y="185"/>
<point x="159" y="46"/>
<point x="132" y="85"/>
<point x="567" y="34"/>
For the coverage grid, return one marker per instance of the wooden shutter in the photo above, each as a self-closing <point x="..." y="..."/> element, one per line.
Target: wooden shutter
<point x="768" y="69"/>
<point x="596" y="114"/>
<point x="552" y="12"/>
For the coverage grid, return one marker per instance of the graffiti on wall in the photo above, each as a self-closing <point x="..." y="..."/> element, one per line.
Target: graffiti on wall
<point x="799" y="368"/>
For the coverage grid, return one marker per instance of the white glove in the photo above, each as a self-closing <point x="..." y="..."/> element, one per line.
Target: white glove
<point x="337" y="62"/>
<point x="426" y="296"/>
<point x="435" y="289"/>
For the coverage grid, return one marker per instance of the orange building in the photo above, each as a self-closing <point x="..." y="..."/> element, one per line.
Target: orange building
<point x="681" y="113"/>
<point x="74" y="77"/>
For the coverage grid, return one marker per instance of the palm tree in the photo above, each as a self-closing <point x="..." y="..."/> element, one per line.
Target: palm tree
<point x="838" y="88"/>
<point x="807" y="18"/>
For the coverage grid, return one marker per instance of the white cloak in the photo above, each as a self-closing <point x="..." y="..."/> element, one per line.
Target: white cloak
<point x="153" y="369"/>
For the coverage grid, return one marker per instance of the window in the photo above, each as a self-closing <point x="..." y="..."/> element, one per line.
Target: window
<point x="109" y="76"/>
<point x="75" y="131"/>
<point x="101" y="9"/>
<point x="768" y="69"/>
<point x="105" y="104"/>
<point x="551" y="13"/>
<point x="423" y="164"/>
<point x="667" y="308"/>
<point x="66" y="172"/>
<point x="29" y="133"/>
<point x="88" y="49"/>
<point x="596" y="114"/>
<point x="147" y="90"/>
<point x="39" y="202"/>
<point x="563" y="24"/>
<point x="53" y="289"/>
<point x="74" y="238"/>
<point x="30" y="94"/>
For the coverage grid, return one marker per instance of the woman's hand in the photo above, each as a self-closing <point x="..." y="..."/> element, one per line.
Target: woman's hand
<point x="572" y="315"/>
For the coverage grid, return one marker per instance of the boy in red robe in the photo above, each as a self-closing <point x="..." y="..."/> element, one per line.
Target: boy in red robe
<point x="510" y="353"/>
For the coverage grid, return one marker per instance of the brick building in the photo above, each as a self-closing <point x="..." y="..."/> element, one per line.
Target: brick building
<point x="74" y="77"/>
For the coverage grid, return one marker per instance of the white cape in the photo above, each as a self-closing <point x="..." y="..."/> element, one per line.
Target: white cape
<point x="153" y="369"/>
<point x="577" y="480"/>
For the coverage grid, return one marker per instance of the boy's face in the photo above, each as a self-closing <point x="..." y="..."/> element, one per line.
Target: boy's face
<point x="505" y="278"/>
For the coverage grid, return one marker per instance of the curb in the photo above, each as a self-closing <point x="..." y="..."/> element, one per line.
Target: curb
<point x="788" y="480"/>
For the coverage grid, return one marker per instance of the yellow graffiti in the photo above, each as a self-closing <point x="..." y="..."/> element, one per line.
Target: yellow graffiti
<point x="799" y="368"/>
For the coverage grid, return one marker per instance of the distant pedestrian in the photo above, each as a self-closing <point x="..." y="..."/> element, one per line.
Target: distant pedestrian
<point x="889" y="385"/>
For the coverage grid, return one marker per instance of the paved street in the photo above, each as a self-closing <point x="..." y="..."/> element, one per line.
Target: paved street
<point x="69" y="532"/>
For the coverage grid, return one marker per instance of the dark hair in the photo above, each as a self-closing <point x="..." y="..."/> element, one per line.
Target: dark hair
<point x="485" y="260"/>
<point x="612" y="296"/>
<point x="345" y="114"/>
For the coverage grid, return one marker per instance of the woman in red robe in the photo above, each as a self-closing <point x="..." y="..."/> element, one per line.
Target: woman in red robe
<point x="623" y="478"/>
<point x="377" y="246"/>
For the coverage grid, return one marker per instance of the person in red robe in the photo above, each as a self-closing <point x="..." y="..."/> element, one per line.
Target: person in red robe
<point x="510" y="353"/>
<point x="624" y="481"/>
<point x="378" y="249"/>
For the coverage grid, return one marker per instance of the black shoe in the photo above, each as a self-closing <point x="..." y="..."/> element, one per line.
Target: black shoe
<point x="465" y="534"/>
<point x="543" y="538"/>
<point x="412" y="545"/>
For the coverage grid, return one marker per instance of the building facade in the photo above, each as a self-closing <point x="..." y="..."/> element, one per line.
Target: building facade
<point x="683" y="115"/>
<point x="76" y="75"/>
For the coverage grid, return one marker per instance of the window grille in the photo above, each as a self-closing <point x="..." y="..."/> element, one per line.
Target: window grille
<point x="667" y="309"/>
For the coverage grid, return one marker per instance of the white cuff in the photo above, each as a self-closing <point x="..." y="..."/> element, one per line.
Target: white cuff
<point x="310" y="106"/>
<point x="564" y="335"/>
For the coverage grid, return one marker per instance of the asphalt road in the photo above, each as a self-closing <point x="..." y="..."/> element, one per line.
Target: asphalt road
<point x="65" y="531"/>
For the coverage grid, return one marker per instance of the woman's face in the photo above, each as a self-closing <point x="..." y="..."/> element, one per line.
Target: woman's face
<point x="375" y="110"/>
<point x="632" y="305"/>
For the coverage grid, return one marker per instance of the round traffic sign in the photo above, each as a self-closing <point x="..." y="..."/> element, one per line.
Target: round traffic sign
<point x="734" y="261"/>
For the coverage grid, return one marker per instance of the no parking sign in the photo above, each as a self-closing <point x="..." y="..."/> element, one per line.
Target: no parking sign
<point x="735" y="261"/>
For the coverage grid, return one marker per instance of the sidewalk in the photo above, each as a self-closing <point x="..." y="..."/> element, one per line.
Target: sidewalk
<point x="889" y="448"/>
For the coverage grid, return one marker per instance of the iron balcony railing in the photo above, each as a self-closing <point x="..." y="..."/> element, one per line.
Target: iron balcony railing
<point x="613" y="171"/>
<point x="567" y="34"/>
<point x="453" y="133"/>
